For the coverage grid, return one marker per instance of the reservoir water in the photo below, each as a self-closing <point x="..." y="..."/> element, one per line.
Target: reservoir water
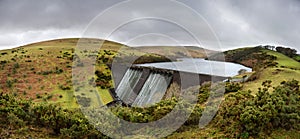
<point x="200" y="66"/>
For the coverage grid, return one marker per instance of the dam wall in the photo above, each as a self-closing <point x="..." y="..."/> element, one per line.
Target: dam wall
<point x="142" y="86"/>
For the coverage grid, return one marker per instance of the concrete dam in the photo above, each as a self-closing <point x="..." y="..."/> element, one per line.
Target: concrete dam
<point x="146" y="84"/>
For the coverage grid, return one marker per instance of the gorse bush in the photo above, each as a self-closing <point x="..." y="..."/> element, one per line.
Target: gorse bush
<point x="243" y="114"/>
<point x="155" y="112"/>
<point x="72" y="123"/>
<point x="280" y="109"/>
<point x="65" y="123"/>
<point x="232" y="87"/>
<point x="9" y="83"/>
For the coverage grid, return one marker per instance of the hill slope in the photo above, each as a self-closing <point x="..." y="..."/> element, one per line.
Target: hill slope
<point x="285" y="69"/>
<point x="42" y="71"/>
<point x="267" y="65"/>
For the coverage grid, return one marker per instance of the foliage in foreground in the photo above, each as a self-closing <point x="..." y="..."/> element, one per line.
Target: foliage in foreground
<point x="241" y="114"/>
<point x="244" y="115"/>
<point x="16" y="114"/>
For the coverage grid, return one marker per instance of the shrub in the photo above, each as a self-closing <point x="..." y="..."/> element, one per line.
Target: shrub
<point x="243" y="114"/>
<point x="14" y="120"/>
<point x="232" y="87"/>
<point x="3" y="62"/>
<point x="62" y="87"/>
<point x="58" y="71"/>
<point x="102" y="80"/>
<point x="38" y="96"/>
<point x="16" y="65"/>
<point x="64" y="123"/>
<point x="45" y="72"/>
<point x="4" y="53"/>
<point x="9" y="83"/>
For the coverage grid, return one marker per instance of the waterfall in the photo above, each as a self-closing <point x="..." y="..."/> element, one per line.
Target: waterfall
<point x="127" y="84"/>
<point x="153" y="90"/>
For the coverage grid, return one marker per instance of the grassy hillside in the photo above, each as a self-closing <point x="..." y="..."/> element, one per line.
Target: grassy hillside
<point x="283" y="60"/>
<point x="42" y="71"/>
<point x="285" y="69"/>
<point x="267" y="65"/>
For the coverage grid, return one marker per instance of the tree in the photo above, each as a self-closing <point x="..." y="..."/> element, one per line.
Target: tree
<point x="267" y="46"/>
<point x="286" y="51"/>
<point x="272" y="48"/>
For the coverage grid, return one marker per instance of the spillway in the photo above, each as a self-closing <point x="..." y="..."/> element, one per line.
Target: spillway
<point x="153" y="90"/>
<point x="125" y="88"/>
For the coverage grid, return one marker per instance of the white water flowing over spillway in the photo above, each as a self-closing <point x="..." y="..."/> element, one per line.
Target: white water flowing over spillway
<point x="153" y="90"/>
<point x="127" y="84"/>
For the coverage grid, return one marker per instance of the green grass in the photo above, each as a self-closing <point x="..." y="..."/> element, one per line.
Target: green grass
<point x="283" y="60"/>
<point x="297" y="57"/>
<point x="286" y="69"/>
<point x="67" y="100"/>
<point x="105" y="96"/>
<point x="276" y="75"/>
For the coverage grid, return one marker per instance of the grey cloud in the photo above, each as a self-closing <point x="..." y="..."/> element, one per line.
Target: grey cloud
<point x="235" y="22"/>
<point x="252" y="22"/>
<point x="44" y="14"/>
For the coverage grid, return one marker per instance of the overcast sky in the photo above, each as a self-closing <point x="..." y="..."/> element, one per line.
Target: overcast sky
<point x="234" y="23"/>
